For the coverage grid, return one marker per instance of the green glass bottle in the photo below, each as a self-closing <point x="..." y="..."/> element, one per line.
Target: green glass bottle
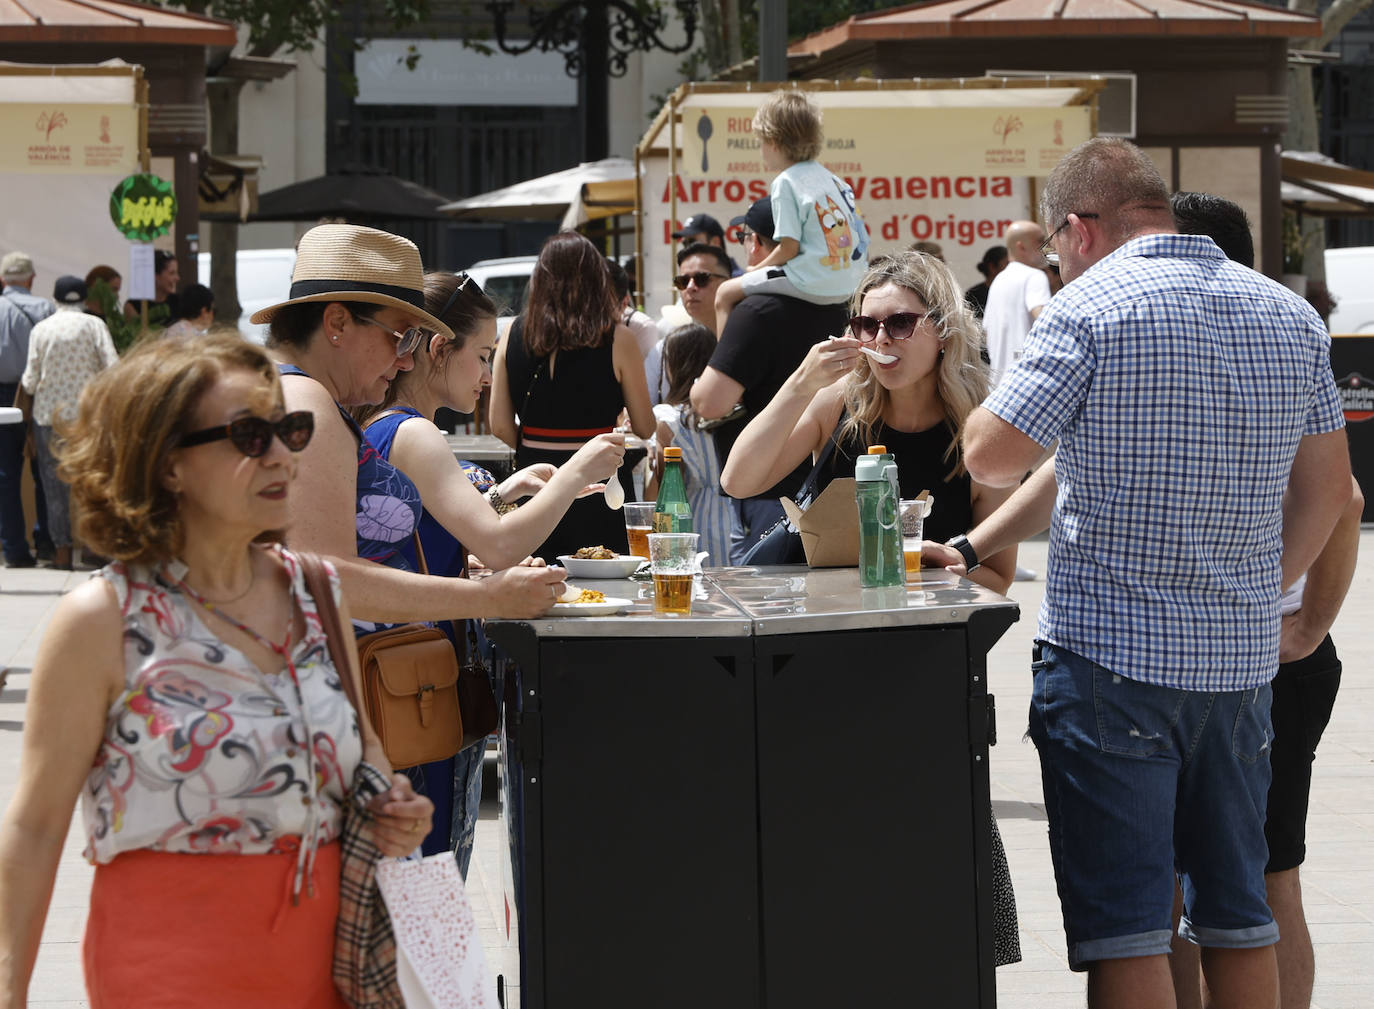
<point x="672" y="512"/>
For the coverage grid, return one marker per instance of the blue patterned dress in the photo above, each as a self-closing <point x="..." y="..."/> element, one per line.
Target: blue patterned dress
<point x="388" y="514"/>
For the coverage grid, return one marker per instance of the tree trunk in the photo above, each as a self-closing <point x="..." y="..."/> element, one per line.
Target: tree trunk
<point x="734" y="44"/>
<point x="223" y="96"/>
<point x="713" y="29"/>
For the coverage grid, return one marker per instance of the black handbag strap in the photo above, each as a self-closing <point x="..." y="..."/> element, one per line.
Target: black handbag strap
<point x="808" y="487"/>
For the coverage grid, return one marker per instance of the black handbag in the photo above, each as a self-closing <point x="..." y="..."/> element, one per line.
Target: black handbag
<point x="782" y="543"/>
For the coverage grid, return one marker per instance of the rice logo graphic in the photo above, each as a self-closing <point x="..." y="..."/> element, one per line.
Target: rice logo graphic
<point x="49" y="121"/>
<point x="1357" y="397"/>
<point x="104" y="129"/>
<point x="1005" y="126"/>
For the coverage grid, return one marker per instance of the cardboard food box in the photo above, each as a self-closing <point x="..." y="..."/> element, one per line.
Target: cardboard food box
<point x="830" y="527"/>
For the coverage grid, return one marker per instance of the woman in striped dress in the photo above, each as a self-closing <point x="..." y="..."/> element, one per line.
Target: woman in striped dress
<point x="686" y="352"/>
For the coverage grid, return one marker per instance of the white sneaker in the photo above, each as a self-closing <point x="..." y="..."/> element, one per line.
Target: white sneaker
<point x="1026" y="574"/>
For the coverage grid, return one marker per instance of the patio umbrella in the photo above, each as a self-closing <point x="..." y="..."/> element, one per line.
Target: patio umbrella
<point x="358" y="193"/>
<point x="1320" y="186"/>
<point x="546" y="198"/>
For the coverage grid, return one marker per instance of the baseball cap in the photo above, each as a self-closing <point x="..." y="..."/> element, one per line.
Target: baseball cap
<point x="69" y="290"/>
<point x="16" y="264"/>
<point x="758" y="218"/>
<point x="699" y="224"/>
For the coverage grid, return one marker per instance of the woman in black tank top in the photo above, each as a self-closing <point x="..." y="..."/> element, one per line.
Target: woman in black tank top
<point x="566" y="369"/>
<point x="912" y="392"/>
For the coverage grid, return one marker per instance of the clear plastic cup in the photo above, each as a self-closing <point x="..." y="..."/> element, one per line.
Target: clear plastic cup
<point x="913" y="515"/>
<point x="639" y="522"/>
<point x="673" y="559"/>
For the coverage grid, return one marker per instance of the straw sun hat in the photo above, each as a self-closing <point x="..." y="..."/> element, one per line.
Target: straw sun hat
<point x="344" y="262"/>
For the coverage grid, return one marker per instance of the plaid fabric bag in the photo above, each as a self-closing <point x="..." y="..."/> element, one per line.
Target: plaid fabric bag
<point x="364" y="946"/>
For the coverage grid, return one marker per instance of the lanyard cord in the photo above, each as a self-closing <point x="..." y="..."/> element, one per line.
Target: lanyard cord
<point x="305" y="856"/>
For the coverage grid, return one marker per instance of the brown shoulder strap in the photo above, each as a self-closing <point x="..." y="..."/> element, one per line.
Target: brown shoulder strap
<point x="340" y="644"/>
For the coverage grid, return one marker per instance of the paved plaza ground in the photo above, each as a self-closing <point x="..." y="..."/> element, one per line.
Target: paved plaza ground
<point x="1338" y="878"/>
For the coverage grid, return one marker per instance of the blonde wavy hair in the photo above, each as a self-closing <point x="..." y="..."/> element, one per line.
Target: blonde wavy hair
<point x="962" y="381"/>
<point x="115" y="453"/>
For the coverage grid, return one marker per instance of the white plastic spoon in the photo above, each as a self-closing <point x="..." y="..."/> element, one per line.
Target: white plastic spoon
<point x="880" y="357"/>
<point x="614" y="492"/>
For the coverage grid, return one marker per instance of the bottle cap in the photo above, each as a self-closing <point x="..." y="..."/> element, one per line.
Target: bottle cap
<point x="868" y="469"/>
<point x="877" y="450"/>
<point x="672" y="452"/>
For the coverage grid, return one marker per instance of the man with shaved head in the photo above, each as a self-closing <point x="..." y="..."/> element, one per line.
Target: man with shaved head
<point x="1016" y="296"/>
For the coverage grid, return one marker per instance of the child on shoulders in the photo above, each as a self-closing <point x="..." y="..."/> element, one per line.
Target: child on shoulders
<point x="822" y="250"/>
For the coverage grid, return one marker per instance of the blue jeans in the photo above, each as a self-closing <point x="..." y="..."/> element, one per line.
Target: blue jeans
<point x="1142" y="782"/>
<point x="750" y="518"/>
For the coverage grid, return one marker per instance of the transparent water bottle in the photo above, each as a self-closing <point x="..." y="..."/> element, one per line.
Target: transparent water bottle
<point x="880" y="535"/>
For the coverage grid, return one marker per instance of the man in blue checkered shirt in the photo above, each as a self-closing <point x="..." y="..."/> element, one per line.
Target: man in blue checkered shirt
<point x="1202" y="464"/>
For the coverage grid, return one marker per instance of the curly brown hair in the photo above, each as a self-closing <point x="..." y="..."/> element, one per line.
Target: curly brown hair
<point x="115" y="454"/>
<point x="572" y="302"/>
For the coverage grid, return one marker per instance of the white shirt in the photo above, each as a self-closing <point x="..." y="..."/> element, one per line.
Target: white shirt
<point x="645" y="331"/>
<point x="66" y="350"/>
<point x="1014" y="293"/>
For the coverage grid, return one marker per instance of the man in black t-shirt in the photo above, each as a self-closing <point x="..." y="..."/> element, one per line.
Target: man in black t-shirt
<point x="764" y="341"/>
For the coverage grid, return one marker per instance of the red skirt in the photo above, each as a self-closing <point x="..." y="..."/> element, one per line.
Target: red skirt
<point x="168" y="931"/>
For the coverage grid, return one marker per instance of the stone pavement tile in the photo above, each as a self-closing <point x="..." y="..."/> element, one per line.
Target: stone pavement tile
<point x="1345" y="932"/>
<point x="57" y="976"/>
<point x="1341" y="996"/>
<point x="1346" y="963"/>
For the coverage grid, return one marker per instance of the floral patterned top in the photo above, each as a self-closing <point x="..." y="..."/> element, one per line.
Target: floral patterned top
<point x="203" y="752"/>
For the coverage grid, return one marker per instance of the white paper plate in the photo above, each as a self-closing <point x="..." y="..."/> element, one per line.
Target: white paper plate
<point x="610" y="605"/>
<point x="582" y="567"/>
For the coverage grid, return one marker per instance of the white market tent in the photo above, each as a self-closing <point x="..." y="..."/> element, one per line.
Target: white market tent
<point x="572" y="196"/>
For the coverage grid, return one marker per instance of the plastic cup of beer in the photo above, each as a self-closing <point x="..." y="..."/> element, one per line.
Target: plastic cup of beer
<point x="639" y="522"/>
<point x="673" y="559"/>
<point x="913" y="522"/>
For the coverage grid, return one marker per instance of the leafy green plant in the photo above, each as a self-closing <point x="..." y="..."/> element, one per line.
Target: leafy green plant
<point x="122" y="330"/>
<point x="1293" y="246"/>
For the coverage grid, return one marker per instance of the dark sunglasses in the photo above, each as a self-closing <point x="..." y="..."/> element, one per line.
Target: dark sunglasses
<point x="701" y="279"/>
<point x="899" y="325"/>
<point x="253" y="436"/>
<point x="744" y="235"/>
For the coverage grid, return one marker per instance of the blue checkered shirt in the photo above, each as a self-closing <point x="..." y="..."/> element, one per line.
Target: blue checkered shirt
<point x="1178" y="384"/>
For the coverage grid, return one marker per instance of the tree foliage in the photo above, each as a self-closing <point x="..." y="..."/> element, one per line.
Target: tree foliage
<point x="294" y="25"/>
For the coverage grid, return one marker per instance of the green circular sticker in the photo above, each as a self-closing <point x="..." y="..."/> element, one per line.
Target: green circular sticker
<point x="143" y="207"/>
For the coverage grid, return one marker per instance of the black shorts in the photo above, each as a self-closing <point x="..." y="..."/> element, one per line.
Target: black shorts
<point x="1304" y="694"/>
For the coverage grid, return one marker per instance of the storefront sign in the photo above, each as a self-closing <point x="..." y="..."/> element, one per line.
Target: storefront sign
<point x="143" y="207"/>
<point x="69" y="139"/>
<point x="894" y="143"/>
<point x="954" y="176"/>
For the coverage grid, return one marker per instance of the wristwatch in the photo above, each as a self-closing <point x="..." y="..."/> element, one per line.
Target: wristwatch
<point x="496" y="501"/>
<point x="961" y="543"/>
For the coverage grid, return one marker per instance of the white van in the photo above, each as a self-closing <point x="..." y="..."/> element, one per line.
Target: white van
<point x="1350" y="279"/>
<point x="264" y="278"/>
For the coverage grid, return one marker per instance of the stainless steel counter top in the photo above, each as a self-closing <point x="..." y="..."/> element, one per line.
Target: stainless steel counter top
<point x="790" y="600"/>
<point x="740" y="602"/>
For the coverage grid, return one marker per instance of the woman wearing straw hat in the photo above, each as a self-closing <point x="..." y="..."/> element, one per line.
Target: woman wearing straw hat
<point x="355" y="317"/>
